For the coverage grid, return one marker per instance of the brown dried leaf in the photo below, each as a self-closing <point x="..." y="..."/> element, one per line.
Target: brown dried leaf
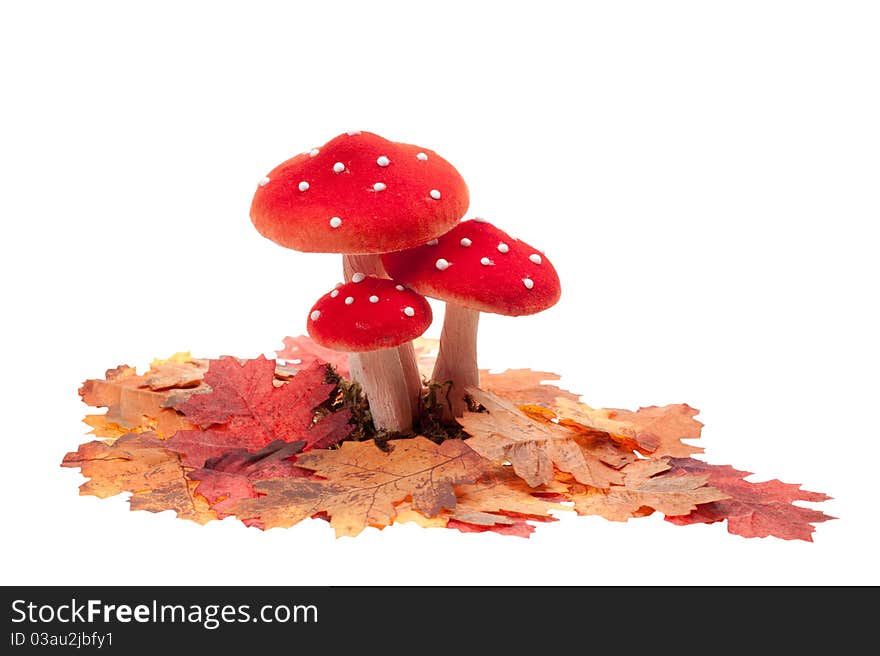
<point x="359" y="485"/>
<point x="655" y="430"/>
<point x="535" y="447"/>
<point x="645" y="488"/>
<point x="524" y="386"/>
<point x="139" y="464"/>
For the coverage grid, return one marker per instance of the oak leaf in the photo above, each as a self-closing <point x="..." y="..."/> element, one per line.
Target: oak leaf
<point x="654" y="430"/>
<point x="752" y="510"/>
<point x="535" y="447"/>
<point x="358" y="485"/>
<point x="524" y="386"/>
<point x="245" y="409"/>
<point x="648" y="485"/>
<point x="138" y="463"/>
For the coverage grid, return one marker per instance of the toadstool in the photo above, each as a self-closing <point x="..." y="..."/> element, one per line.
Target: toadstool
<point x="475" y="267"/>
<point x="371" y="315"/>
<point x="360" y="195"/>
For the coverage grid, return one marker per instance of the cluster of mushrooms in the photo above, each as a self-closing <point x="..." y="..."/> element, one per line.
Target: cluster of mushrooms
<point x="395" y="212"/>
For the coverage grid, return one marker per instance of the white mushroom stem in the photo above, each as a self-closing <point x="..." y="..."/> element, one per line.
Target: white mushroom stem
<point x="389" y="378"/>
<point x="457" y="358"/>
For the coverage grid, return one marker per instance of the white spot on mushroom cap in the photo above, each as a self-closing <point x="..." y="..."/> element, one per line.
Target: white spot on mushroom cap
<point x="433" y="242"/>
<point x="502" y="247"/>
<point x="485" y="261"/>
<point x="435" y="194"/>
<point x="357" y="277"/>
<point x="534" y="257"/>
<point x="313" y="152"/>
<point x="441" y="264"/>
<point x="349" y="300"/>
<point x="479" y="219"/>
<point x="335" y="222"/>
<point x="421" y="156"/>
<point x="264" y="181"/>
<point x="334" y="293"/>
<point x="353" y="132"/>
<point x="409" y="311"/>
<point x="399" y="288"/>
<point x="374" y="299"/>
<point x="303" y="186"/>
<point x="379" y="186"/>
<point x="465" y="242"/>
<point x="339" y="167"/>
<point x="383" y="161"/>
<point x="337" y="285"/>
<point x="315" y="315"/>
<point x="528" y="282"/>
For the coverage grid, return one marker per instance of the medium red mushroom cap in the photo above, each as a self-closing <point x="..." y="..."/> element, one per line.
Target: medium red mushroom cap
<point x="368" y="314"/>
<point x="478" y="266"/>
<point x="359" y="193"/>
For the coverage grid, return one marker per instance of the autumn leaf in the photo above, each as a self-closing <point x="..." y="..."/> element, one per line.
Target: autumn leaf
<point x="230" y="477"/>
<point x="245" y="409"/>
<point x="524" y="386"/>
<point x="358" y="484"/>
<point x="648" y="485"/>
<point x="304" y="352"/>
<point x="657" y="430"/>
<point x="131" y="405"/>
<point x="139" y="463"/>
<point x="752" y="509"/>
<point x="535" y="447"/>
<point x="180" y="371"/>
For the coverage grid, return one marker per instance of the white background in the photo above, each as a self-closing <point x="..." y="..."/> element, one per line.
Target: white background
<point x="703" y="175"/>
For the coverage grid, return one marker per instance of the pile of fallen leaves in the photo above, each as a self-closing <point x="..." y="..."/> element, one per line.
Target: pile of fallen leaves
<point x="274" y="442"/>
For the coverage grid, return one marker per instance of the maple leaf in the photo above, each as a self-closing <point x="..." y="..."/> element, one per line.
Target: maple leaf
<point x="648" y="485"/>
<point x="305" y="352"/>
<point x="230" y="477"/>
<point x="657" y="430"/>
<point x="130" y="405"/>
<point x="524" y="386"/>
<point x="358" y="484"/>
<point x="245" y="409"/>
<point x="752" y="509"/>
<point x="534" y="447"/>
<point x="138" y="463"/>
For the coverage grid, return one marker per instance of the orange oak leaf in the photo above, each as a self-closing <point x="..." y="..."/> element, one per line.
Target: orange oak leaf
<point x="752" y="509"/>
<point x="303" y="351"/>
<point x="230" y="477"/>
<point x="654" y="430"/>
<point x="245" y="409"/>
<point x="536" y="448"/>
<point x="358" y="485"/>
<point x="180" y="371"/>
<point x="138" y="463"/>
<point x="131" y="406"/>
<point x="524" y="386"/>
<point x="648" y="485"/>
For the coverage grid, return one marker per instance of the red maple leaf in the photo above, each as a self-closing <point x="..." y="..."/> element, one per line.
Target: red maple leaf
<point x="303" y="351"/>
<point x="244" y="409"/>
<point x="230" y="477"/>
<point x="754" y="510"/>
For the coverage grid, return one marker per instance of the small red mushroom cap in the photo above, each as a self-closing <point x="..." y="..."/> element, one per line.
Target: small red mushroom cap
<point x="368" y="314"/>
<point x="359" y="193"/>
<point x="478" y="266"/>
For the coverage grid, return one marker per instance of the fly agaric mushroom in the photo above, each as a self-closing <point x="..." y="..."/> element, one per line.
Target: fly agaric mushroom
<point x="475" y="267"/>
<point x="362" y="195"/>
<point x="375" y="315"/>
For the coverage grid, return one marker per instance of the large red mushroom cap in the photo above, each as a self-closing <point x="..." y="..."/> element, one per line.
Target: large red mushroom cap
<point x="478" y="266"/>
<point x="368" y="314"/>
<point x="359" y="194"/>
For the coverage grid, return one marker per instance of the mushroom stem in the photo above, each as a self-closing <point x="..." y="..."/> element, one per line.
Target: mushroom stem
<point x="457" y="358"/>
<point x="389" y="378"/>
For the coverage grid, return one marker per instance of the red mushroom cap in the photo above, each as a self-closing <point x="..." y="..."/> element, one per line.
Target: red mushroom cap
<point x="368" y="314"/>
<point x="359" y="193"/>
<point x="478" y="266"/>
